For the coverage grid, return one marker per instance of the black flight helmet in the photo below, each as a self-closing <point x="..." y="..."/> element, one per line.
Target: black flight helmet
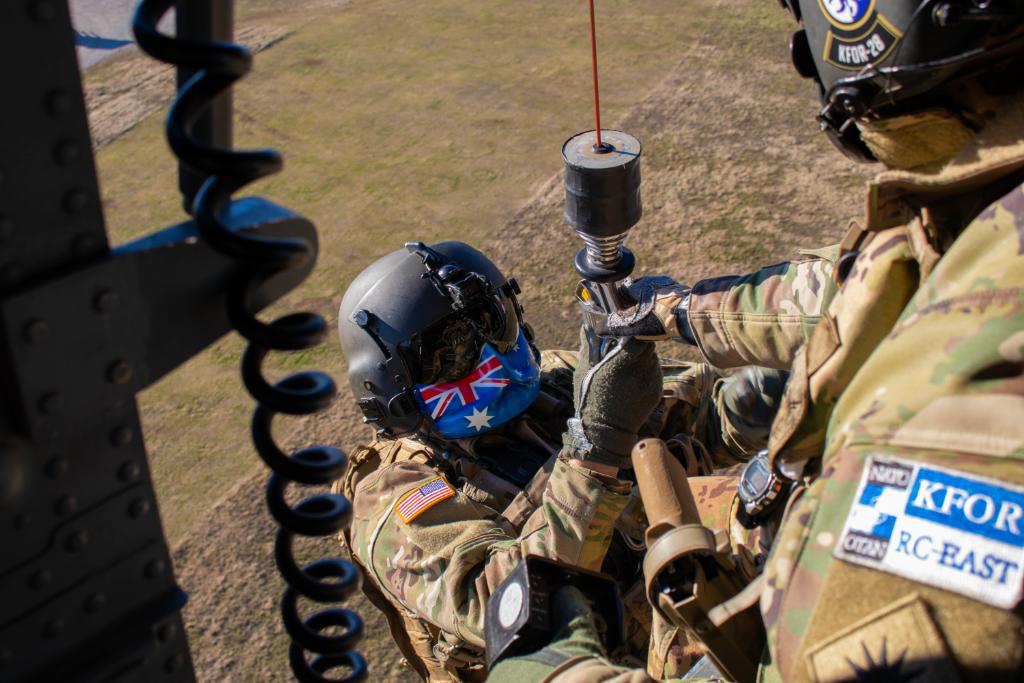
<point x="421" y="315"/>
<point x="881" y="58"/>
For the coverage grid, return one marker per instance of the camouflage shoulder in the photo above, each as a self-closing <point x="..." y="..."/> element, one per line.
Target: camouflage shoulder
<point x="420" y="538"/>
<point x="378" y="491"/>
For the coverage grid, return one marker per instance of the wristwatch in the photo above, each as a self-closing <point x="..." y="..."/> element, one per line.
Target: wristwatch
<point x="760" y="489"/>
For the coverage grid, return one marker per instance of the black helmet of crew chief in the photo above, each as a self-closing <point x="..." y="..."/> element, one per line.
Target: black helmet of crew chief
<point x="421" y="315"/>
<point x="880" y="58"/>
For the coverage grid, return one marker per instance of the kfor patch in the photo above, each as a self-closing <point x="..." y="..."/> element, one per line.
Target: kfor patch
<point x="942" y="527"/>
<point x="414" y="503"/>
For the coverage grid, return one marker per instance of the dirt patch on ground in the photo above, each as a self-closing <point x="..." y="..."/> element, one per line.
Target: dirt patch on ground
<point x="132" y="86"/>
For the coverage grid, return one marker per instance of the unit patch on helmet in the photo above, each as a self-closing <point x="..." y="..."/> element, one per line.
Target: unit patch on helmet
<point x="858" y="34"/>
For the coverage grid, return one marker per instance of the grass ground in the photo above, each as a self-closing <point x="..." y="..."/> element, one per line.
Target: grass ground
<point x="439" y="120"/>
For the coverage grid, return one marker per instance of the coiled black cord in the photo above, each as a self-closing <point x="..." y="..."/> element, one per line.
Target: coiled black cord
<point x="218" y="65"/>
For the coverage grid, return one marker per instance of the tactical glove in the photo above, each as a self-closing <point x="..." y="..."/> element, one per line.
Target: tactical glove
<point x="617" y="385"/>
<point x="657" y="311"/>
<point x="748" y="401"/>
<point x="577" y="636"/>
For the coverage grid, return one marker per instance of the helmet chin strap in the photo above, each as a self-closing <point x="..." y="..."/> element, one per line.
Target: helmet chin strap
<point x="923" y="141"/>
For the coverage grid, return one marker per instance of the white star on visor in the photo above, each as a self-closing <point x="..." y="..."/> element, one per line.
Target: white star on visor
<point x="479" y="419"/>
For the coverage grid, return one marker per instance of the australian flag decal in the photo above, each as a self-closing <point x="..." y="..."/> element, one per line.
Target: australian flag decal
<point x="465" y="389"/>
<point x="501" y="387"/>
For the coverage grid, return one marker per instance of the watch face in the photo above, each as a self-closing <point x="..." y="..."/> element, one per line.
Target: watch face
<point x="755" y="480"/>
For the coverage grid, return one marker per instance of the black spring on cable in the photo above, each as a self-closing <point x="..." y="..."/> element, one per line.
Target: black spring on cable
<point x="217" y="66"/>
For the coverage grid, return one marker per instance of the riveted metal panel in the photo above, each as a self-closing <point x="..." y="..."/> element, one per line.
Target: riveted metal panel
<point x="50" y="214"/>
<point x="87" y="591"/>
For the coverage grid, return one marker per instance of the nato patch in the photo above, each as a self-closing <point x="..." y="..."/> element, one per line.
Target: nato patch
<point x="950" y="529"/>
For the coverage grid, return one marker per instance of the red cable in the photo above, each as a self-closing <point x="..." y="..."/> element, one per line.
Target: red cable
<point x="598" y="146"/>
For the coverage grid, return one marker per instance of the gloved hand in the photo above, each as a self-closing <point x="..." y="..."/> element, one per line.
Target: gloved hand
<point x="658" y="312"/>
<point x="576" y="636"/>
<point x="617" y="385"/>
<point x="747" y="402"/>
<point x="578" y="628"/>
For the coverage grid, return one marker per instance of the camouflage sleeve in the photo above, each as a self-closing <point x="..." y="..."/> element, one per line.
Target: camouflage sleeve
<point x="443" y="563"/>
<point x="559" y="663"/>
<point x="762" y="318"/>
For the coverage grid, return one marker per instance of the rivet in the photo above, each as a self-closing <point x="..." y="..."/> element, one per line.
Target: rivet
<point x="361" y="317"/>
<point x="43" y="10"/>
<point x="368" y="385"/>
<point x="119" y="372"/>
<point x="65" y="505"/>
<point x="154" y="569"/>
<point x="53" y="628"/>
<point x="57" y="468"/>
<point x="174" y="663"/>
<point x="382" y="366"/>
<point x="51" y="403"/>
<point x="94" y="603"/>
<point x="58" y="102"/>
<point x="36" y="330"/>
<point x="67" y="152"/>
<point x="122" y="436"/>
<point x="166" y="632"/>
<point x="75" y="200"/>
<point x="129" y="471"/>
<point x="22" y="521"/>
<point x="83" y="245"/>
<point x="40" y="579"/>
<point x="77" y="541"/>
<point x="6" y="227"/>
<point x="138" y="507"/>
<point x="105" y="301"/>
<point x="11" y="274"/>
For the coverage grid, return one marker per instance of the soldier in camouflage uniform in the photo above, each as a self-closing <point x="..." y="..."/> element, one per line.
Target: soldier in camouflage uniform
<point x="901" y="555"/>
<point x="469" y="472"/>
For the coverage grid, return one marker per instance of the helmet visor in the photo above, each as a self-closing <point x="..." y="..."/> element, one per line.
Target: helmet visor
<point x="451" y="348"/>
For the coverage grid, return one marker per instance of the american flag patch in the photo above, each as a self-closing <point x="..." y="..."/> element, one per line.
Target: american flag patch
<point x="420" y="499"/>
